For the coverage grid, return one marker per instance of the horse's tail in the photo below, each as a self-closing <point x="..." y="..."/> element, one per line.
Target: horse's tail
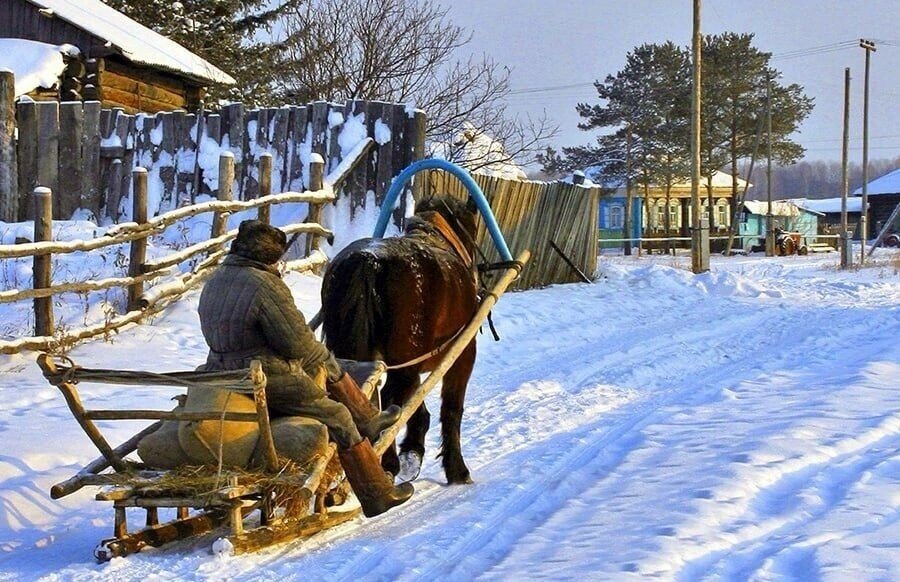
<point x="351" y="307"/>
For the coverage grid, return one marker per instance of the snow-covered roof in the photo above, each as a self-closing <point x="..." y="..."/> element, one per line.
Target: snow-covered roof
<point x="828" y="205"/>
<point x="134" y="41"/>
<point x="779" y="208"/>
<point x="719" y="180"/>
<point x="34" y="64"/>
<point x="488" y="154"/>
<point x="887" y="184"/>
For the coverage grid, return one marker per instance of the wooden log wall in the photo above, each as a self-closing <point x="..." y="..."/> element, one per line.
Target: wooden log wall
<point x="9" y="187"/>
<point x="530" y="215"/>
<point x="86" y="154"/>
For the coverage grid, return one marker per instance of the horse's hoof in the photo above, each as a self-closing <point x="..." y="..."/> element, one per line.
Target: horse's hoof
<point x="465" y="479"/>
<point x="410" y="466"/>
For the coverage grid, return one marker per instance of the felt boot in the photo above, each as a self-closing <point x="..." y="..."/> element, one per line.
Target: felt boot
<point x="369" y="420"/>
<point x="373" y="486"/>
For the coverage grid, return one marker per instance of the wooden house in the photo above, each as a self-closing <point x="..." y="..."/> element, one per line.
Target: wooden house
<point x="678" y="207"/>
<point x="611" y="215"/>
<point x="118" y="62"/>
<point x="884" y="196"/>
<point x="830" y="209"/>
<point x="657" y="216"/>
<point x="787" y="216"/>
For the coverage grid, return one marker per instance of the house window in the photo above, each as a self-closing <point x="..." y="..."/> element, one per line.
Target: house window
<point x="722" y="213"/>
<point x="660" y="216"/>
<point x="616" y="217"/>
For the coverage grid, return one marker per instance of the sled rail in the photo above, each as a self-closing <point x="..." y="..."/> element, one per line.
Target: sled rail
<point x="65" y="377"/>
<point x="290" y="504"/>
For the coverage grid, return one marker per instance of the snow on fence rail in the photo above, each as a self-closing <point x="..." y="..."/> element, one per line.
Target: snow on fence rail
<point x="171" y="284"/>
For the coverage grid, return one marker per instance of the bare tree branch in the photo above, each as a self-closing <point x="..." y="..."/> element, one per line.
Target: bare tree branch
<point x="406" y="51"/>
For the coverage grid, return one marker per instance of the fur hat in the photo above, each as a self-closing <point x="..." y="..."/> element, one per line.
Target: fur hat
<point x="259" y="241"/>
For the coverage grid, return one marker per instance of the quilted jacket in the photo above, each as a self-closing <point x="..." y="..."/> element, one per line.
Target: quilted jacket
<point x="247" y="312"/>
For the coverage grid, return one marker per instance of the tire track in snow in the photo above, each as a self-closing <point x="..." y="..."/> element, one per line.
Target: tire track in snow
<point x="580" y="458"/>
<point x="525" y="495"/>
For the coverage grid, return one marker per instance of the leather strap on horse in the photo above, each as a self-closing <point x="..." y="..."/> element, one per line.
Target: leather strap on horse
<point x="430" y="354"/>
<point x="452" y="239"/>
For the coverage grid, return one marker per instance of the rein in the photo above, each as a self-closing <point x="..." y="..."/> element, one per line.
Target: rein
<point x="430" y="354"/>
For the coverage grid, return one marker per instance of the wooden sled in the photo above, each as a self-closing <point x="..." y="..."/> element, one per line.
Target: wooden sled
<point x="236" y="494"/>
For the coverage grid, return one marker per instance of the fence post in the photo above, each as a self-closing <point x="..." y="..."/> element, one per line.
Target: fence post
<point x="316" y="183"/>
<point x="43" y="231"/>
<point x="139" y="245"/>
<point x="9" y="185"/>
<point x="264" y="213"/>
<point x="226" y="185"/>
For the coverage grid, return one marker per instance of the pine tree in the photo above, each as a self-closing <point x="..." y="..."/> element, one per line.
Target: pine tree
<point x="227" y="33"/>
<point x="649" y="101"/>
<point x="647" y="106"/>
<point x="735" y="74"/>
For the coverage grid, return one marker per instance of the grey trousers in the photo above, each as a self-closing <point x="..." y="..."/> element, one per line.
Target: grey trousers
<point x="297" y="399"/>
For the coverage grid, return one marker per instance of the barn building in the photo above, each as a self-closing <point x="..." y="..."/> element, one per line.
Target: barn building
<point x="884" y="196"/>
<point x="117" y="62"/>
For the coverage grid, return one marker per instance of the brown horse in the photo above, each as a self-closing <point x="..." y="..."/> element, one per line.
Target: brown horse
<point x="399" y="299"/>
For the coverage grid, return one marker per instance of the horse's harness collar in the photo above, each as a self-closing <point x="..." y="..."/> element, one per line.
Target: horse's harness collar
<point x="446" y="231"/>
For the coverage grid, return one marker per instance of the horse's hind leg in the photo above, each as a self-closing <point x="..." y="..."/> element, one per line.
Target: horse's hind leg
<point x="453" y="394"/>
<point x="397" y="389"/>
<point x="412" y="449"/>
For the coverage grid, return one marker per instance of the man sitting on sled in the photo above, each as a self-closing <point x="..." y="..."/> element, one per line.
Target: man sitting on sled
<point x="246" y="313"/>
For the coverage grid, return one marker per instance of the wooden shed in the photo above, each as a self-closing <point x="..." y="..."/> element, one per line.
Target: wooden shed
<point x="787" y="215"/>
<point x="119" y="62"/>
<point x="830" y="221"/>
<point x="884" y="196"/>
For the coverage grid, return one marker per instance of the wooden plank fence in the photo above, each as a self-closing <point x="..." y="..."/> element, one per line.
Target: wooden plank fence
<point x="530" y="215"/>
<point x="85" y="155"/>
<point x="169" y="283"/>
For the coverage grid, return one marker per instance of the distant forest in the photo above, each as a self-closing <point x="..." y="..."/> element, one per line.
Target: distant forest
<point x="817" y="179"/>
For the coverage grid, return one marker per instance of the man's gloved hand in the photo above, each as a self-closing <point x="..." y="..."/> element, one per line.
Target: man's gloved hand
<point x="332" y="369"/>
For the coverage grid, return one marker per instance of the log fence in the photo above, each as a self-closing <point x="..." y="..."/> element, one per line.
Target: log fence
<point x="93" y="151"/>
<point x="170" y="283"/>
<point x="535" y="216"/>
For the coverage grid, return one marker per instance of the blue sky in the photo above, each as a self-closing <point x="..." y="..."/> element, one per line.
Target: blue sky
<point x="557" y="49"/>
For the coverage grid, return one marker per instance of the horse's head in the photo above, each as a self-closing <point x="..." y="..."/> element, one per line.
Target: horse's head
<point x="459" y="214"/>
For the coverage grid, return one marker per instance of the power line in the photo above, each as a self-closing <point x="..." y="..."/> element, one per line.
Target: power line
<point x="815" y="50"/>
<point x="856" y="148"/>
<point x="550" y="88"/>
<point x="792" y="54"/>
<point x="854" y="138"/>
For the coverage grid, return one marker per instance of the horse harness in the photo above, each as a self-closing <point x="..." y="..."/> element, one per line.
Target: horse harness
<point x="452" y="238"/>
<point x="446" y="231"/>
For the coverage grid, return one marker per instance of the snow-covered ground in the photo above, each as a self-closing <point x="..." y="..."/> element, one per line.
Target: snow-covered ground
<point x="739" y="424"/>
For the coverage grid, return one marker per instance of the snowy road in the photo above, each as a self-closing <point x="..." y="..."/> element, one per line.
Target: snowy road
<point x="740" y="424"/>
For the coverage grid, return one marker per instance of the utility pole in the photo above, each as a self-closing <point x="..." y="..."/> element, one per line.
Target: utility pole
<point x="869" y="47"/>
<point x="770" y="222"/>
<point x="699" y="228"/>
<point x="846" y="259"/>
<point x="629" y="196"/>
